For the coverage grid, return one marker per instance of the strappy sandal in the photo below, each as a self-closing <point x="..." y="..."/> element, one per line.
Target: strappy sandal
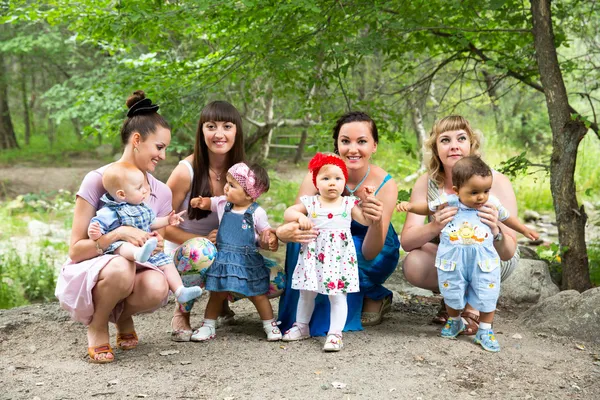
<point x="370" y="318"/>
<point x="442" y="315"/>
<point x="180" y="335"/>
<point x="127" y="337"/>
<point x="100" y="349"/>
<point x="472" y="323"/>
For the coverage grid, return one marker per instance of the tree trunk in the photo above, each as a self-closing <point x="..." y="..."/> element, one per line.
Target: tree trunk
<point x="491" y="90"/>
<point x="266" y="141"/>
<point x="8" y="140"/>
<point x="566" y="135"/>
<point x="24" y="101"/>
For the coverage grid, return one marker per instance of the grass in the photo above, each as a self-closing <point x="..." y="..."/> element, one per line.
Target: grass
<point x="25" y="280"/>
<point x="40" y="152"/>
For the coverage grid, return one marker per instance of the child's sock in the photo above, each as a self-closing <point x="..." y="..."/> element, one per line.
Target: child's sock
<point x="184" y="294"/>
<point x="485" y="326"/>
<point x="267" y="323"/>
<point x="211" y="323"/>
<point x="143" y="253"/>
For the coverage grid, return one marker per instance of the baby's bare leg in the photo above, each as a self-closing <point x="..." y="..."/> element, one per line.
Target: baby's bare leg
<point x="182" y="293"/>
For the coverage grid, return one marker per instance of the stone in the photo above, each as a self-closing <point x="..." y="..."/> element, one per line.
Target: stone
<point x="529" y="283"/>
<point x="38" y="228"/>
<point x="568" y="313"/>
<point x="528" y="253"/>
<point x="531" y="216"/>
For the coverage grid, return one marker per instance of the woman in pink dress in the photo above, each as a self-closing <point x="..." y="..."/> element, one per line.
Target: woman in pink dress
<point x="97" y="288"/>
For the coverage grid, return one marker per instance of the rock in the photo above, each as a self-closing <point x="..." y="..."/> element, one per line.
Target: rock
<point x="528" y="253"/>
<point x="531" y="216"/>
<point x="397" y="282"/>
<point x="104" y="150"/>
<point x="568" y="313"/>
<point x="529" y="283"/>
<point x="38" y="229"/>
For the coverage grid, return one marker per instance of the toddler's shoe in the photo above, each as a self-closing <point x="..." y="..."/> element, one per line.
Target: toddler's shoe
<point x="296" y="333"/>
<point x="272" y="331"/>
<point x="453" y="328"/>
<point x="333" y="342"/>
<point x="487" y="340"/>
<point x="204" y="333"/>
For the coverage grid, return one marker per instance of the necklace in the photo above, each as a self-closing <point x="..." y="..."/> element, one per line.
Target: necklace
<point x="351" y="191"/>
<point x="218" y="176"/>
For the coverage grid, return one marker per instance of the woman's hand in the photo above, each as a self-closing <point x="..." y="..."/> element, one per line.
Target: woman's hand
<point x="135" y="236"/>
<point x="291" y="232"/>
<point x="489" y="216"/>
<point x="443" y="215"/>
<point x="372" y="208"/>
<point x="212" y="236"/>
<point x="161" y="242"/>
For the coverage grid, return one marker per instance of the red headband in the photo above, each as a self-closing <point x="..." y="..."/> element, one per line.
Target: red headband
<point x="320" y="160"/>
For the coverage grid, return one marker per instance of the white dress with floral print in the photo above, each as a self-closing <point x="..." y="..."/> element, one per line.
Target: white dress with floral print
<point x="328" y="265"/>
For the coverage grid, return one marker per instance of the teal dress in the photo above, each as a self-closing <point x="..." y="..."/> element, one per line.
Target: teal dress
<point x="371" y="273"/>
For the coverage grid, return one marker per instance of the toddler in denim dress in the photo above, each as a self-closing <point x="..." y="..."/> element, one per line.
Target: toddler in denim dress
<point x="124" y="206"/>
<point x="238" y="266"/>
<point x="467" y="262"/>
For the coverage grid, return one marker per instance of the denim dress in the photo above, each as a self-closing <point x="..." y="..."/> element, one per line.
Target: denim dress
<point x="115" y="214"/>
<point x="467" y="262"/>
<point x="238" y="267"/>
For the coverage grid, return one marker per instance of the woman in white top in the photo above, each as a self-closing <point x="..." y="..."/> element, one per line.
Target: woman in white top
<point x="219" y="145"/>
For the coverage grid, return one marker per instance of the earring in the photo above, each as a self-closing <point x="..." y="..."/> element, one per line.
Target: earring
<point x="136" y="149"/>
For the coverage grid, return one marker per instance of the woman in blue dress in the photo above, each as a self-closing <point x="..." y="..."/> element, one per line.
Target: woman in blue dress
<point x="355" y="141"/>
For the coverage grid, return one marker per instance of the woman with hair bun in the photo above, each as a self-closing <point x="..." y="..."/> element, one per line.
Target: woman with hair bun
<point x="97" y="288"/>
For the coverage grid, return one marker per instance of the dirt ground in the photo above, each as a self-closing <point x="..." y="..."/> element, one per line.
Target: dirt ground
<point x="43" y="357"/>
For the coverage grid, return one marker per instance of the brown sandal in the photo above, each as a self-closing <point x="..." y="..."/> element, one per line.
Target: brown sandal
<point x="100" y="349"/>
<point x="126" y="337"/>
<point x="472" y="324"/>
<point x="442" y="315"/>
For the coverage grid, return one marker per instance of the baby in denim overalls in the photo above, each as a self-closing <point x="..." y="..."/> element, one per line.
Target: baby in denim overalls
<point x="124" y="206"/>
<point x="467" y="262"/>
<point x="238" y="266"/>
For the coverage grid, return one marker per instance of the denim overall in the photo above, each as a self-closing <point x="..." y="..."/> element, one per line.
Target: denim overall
<point x="137" y="215"/>
<point x="238" y="267"/>
<point x="467" y="262"/>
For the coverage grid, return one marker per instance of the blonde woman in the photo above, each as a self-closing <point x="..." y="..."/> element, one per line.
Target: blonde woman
<point x="451" y="139"/>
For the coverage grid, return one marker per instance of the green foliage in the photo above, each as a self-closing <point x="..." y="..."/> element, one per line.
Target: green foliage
<point x="553" y="255"/>
<point x="26" y="280"/>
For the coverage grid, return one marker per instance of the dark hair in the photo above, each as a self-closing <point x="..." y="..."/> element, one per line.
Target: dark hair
<point x="261" y="177"/>
<point x="214" y="111"/>
<point x="353" y="116"/>
<point x="142" y="123"/>
<point x="467" y="167"/>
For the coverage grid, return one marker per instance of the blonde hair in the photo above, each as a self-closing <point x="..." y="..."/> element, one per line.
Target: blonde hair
<point x="116" y="174"/>
<point x="435" y="168"/>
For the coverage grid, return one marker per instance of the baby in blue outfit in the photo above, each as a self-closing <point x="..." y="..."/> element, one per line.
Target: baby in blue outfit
<point x="467" y="262"/>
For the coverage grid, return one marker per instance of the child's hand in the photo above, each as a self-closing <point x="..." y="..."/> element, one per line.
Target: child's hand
<point x="369" y="190"/>
<point x="273" y="241"/>
<point x="403" y="206"/>
<point x="196" y="202"/>
<point x="305" y="223"/>
<point x="531" y="234"/>
<point x="94" y="231"/>
<point x="175" y="219"/>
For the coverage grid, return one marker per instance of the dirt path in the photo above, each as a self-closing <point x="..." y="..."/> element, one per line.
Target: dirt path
<point x="43" y="356"/>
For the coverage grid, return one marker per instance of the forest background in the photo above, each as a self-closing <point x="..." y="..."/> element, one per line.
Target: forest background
<point x="527" y="74"/>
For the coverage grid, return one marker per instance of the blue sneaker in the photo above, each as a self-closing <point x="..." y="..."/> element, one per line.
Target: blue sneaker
<point x="453" y="328"/>
<point x="487" y="340"/>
